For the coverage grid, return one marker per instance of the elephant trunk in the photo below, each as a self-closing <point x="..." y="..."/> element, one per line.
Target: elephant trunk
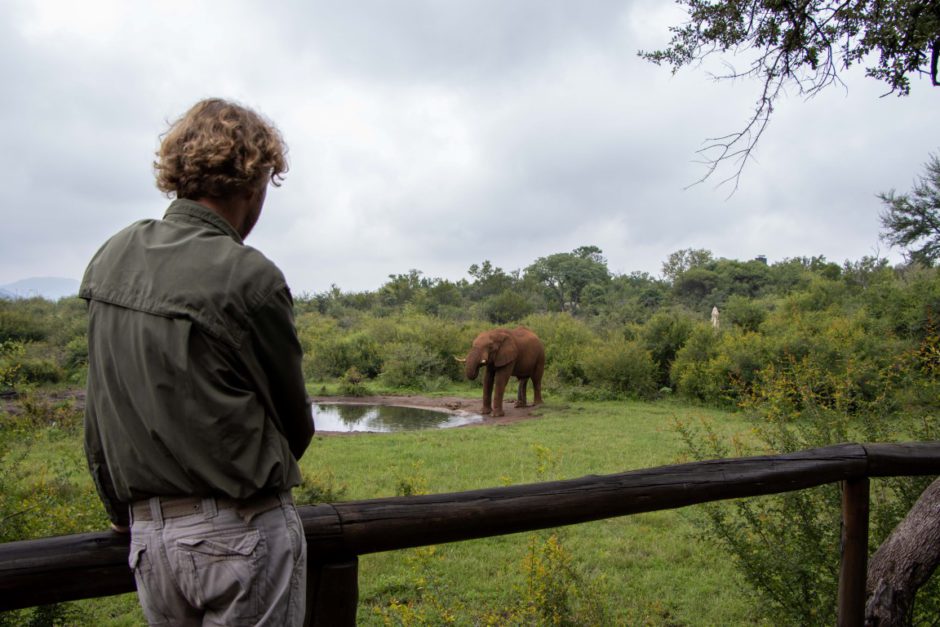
<point x="474" y="360"/>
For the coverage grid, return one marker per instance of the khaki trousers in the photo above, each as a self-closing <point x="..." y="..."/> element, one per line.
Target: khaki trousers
<point x="219" y="566"/>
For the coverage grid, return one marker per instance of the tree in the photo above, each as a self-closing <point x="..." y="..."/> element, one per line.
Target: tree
<point x="402" y="288"/>
<point x="565" y="275"/>
<point x="685" y="259"/>
<point x="694" y="287"/>
<point x="912" y="221"/>
<point x="802" y="44"/>
<point x="507" y="307"/>
<point x="488" y="280"/>
<point x="903" y="563"/>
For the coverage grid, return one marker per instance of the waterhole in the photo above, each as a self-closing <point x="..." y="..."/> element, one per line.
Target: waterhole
<point x="384" y="418"/>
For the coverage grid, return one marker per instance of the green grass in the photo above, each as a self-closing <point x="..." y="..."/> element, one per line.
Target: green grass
<point x="648" y="568"/>
<point x="644" y="569"/>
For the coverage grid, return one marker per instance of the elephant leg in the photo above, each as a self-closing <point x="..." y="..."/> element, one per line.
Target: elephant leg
<point x="501" y="379"/>
<point x="520" y="397"/>
<point x="487" y="392"/>
<point x="537" y="385"/>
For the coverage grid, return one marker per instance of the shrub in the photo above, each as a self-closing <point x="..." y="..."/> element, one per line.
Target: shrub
<point x="351" y="383"/>
<point x="76" y="353"/>
<point x="567" y="342"/>
<point x="507" y="307"/>
<point x="663" y="335"/>
<point x="743" y="312"/>
<point x="692" y="372"/>
<point x="718" y="368"/>
<point x="38" y="370"/>
<point x="10" y="354"/>
<point x="333" y="355"/>
<point x="622" y="367"/>
<point x="787" y="545"/>
<point x="321" y="487"/>
<point x="18" y="325"/>
<point x="409" y="365"/>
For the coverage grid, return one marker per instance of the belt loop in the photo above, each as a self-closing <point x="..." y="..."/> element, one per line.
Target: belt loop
<point x="156" y="511"/>
<point x="210" y="507"/>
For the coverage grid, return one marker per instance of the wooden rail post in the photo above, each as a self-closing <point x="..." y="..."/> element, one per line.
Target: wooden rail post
<point x="854" y="567"/>
<point x="332" y="593"/>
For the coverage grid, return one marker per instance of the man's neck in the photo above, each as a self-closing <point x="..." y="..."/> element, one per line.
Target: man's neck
<point x="234" y="210"/>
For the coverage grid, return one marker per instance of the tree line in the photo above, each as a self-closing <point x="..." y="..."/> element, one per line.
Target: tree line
<point x="606" y="335"/>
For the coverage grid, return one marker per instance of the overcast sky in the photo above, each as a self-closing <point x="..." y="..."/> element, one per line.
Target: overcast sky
<point x="433" y="135"/>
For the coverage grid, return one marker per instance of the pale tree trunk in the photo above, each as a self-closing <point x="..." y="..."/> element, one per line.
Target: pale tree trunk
<point x="904" y="562"/>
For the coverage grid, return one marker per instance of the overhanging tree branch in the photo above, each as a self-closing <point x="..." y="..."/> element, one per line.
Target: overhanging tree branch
<point x="796" y="45"/>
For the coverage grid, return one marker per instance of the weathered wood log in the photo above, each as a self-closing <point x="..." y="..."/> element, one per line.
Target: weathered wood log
<point x="855" y="502"/>
<point x="49" y="570"/>
<point x="63" y="568"/>
<point x="904" y="459"/>
<point x="402" y="522"/>
<point x="332" y="593"/>
<point x="904" y="562"/>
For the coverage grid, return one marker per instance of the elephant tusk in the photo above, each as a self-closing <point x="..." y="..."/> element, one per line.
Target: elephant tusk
<point x="461" y="360"/>
<point x="483" y="361"/>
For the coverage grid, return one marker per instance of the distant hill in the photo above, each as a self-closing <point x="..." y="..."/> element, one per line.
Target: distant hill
<point x="51" y="288"/>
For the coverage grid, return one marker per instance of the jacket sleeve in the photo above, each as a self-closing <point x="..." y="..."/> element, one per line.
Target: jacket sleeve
<point x="280" y="356"/>
<point x="97" y="465"/>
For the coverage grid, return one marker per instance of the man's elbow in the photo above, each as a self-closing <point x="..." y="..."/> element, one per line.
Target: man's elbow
<point x="302" y="438"/>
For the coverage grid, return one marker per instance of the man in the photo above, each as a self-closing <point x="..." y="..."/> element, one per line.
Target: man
<point x="196" y="412"/>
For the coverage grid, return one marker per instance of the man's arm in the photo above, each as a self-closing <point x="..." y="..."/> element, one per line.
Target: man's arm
<point x="280" y="356"/>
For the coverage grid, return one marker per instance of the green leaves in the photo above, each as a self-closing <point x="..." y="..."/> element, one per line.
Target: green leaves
<point x="565" y="275"/>
<point x="802" y="46"/>
<point x="912" y="221"/>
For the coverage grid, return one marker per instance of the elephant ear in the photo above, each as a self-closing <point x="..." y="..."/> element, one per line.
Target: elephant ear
<point x="508" y="351"/>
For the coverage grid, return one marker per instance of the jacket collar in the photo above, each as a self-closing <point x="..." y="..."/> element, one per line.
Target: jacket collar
<point x="184" y="210"/>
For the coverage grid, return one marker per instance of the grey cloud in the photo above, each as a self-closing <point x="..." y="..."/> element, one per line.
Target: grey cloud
<point x="434" y="135"/>
<point x="425" y="40"/>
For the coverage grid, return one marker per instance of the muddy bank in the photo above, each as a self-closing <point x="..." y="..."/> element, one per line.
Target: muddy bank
<point x="443" y="403"/>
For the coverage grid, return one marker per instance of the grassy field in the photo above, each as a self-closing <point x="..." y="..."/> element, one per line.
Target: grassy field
<point x="649" y="569"/>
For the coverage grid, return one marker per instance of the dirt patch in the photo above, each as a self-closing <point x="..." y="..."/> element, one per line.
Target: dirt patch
<point x="11" y="402"/>
<point x="443" y="403"/>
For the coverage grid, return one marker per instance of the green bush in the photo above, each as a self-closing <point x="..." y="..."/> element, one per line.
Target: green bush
<point x="331" y="356"/>
<point x="663" y="335"/>
<point x="409" y="365"/>
<point x="76" y="353"/>
<point x="19" y="323"/>
<point x="11" y="352"/>
<point x="692" y="373"/>
<point x="321" y="487"/>
<point x="567" y="342"/>
<point x="351" y="384"/>
<point x="622" y="367"/>
<point x="787" y="545"/>
<point x="742" y="312"/>
<point x="507" y="307"/>
<point x="718" y="367"/>
<point x="38" y="370"/>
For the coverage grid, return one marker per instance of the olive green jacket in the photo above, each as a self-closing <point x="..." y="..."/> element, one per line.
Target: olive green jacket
<point x="194" y="366"/>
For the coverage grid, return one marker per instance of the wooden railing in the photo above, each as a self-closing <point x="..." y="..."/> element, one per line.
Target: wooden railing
<point x="38" y="572"/>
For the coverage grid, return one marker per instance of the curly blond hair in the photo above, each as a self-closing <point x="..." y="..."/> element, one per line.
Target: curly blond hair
<point x="218" y="149"/>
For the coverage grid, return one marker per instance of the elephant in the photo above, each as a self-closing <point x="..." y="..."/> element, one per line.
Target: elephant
<point x="506" y="353"/>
